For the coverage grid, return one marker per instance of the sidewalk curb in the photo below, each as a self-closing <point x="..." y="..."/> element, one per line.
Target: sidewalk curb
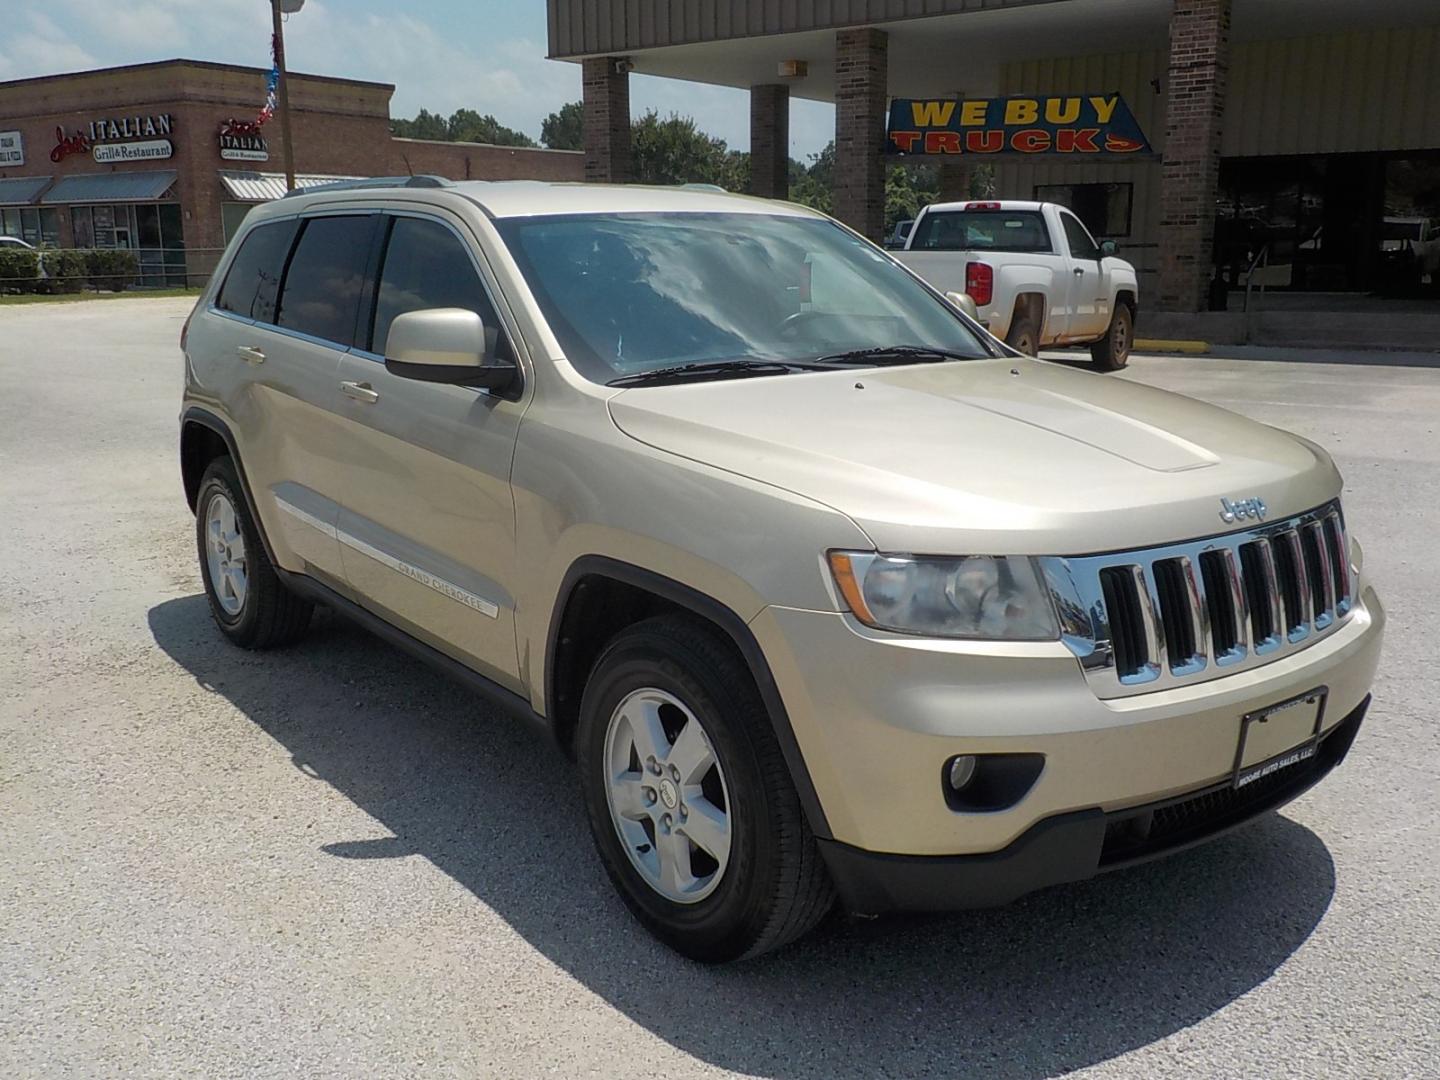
<point x="1194" y="348"/>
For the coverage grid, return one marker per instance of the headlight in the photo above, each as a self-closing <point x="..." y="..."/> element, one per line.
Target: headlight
<point x="973" y="596"/>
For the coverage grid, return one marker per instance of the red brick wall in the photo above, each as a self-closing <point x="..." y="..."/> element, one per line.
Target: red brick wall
<point x="1195" y="106"/>
<point x="606" y="93"/>
<point x="481" y="161"/>
<point x="770" y="141"/>
<point x="861" y="96"/>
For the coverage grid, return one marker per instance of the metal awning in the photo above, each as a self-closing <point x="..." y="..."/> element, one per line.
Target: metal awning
<point x="22" y="190"/>
<point x="111" y="187"/>
<point x="262" y="187"/>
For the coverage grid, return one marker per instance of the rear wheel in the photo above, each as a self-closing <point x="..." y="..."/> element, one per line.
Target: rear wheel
<point x="1112" y="352"/>
<point x="689" y="799"/>
<point x="1024" y="335"/>
<point x="250" y="604"/>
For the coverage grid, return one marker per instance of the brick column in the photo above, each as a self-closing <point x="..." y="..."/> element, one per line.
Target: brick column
<point x="954" y="180"/>
<point x="606" y="85"/>
<point x="1190" y="172"/>
<point x="861" y="94"/>
<point x="770" y="141"/>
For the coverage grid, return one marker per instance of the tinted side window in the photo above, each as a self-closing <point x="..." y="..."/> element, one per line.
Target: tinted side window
<point x="325" y="277"/>
<point x="426" y="266"/>
<point x="1081" y="246"/>
<point x="254" y="279"/>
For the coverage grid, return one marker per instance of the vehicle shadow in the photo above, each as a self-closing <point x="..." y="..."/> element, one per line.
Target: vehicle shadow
<point x="1061" y="980"/>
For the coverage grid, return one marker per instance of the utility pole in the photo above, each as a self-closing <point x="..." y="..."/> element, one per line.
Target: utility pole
<point x="286" y="142"/>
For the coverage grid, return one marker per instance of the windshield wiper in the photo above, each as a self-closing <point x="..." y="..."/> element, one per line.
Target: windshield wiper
<point x="894" y="354"/>
<point x="710" y="369"/>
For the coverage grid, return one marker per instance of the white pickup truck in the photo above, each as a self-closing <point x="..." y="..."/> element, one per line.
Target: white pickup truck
<point x="1037" y="276"/>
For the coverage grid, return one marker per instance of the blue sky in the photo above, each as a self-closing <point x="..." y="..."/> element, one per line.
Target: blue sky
<point x="488" y="55"/>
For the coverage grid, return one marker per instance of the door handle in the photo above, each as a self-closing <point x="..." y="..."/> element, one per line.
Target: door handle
<point x="360" y="392"/>
<point x="250" y="354"/>
<point x="1079" y="271"/>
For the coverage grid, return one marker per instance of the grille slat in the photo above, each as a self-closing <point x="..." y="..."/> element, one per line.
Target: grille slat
<point x="1158" y="617"/>
<point x="1179" y="607"/>
<point x="1225" y="603"/>
<point x="1127" y="634"/>
<point x="1339" y="561"/>
<point x="1257" y="565"/>
<point x="1294" y="583"/>
<point x="1317" y="566"/>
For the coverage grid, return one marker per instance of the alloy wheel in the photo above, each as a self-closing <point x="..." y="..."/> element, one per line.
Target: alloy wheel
<point x="667" y="795"/>
<point x="225" y="554"/>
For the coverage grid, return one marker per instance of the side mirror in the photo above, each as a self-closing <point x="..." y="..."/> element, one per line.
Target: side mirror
<point x="446" y="345"/>
<point x="1108" y="248"/>
<point x="965" y="303"/>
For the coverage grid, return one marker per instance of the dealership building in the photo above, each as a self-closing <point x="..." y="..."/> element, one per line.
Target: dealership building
<point x="165" y="159"/>
<point x="1293" y="146"/>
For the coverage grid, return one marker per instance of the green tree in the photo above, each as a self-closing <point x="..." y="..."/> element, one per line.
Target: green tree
<point x="426" y="125"/>
<point x="675" y="151"/>
<point x="810" y="185"/>
<point x="466" y="125"/>
<point x="564" y="129"/>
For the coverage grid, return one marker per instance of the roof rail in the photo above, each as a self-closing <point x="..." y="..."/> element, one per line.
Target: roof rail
<point x="421" y="181"/>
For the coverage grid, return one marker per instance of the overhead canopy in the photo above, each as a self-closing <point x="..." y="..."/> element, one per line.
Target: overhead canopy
<point x="22" y="190"/>
<point x="262" y="187"/>
<point x="111" y="187"/>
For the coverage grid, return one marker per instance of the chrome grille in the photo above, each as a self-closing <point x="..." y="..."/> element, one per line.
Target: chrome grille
<point x="1144" y="620"/>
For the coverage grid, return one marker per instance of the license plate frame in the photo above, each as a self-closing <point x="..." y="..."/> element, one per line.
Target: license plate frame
<point x="1243" y="775"/>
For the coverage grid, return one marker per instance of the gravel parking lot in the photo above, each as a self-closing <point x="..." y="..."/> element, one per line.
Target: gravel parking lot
<point x="329" y="861"/>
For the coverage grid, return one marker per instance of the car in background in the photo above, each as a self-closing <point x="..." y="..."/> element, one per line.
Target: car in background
<point x="15" y="241"/>
<point x="1037" y="276"/>
<point x="899" y="234"/>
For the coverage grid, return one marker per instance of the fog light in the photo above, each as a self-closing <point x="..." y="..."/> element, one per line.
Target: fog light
<point x="962" y="771"/>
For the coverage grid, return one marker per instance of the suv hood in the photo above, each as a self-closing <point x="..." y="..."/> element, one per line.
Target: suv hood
<point x="988" y="456"/>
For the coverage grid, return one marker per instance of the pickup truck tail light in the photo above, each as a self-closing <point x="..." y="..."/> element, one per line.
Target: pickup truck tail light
<point x="980" y="282"/>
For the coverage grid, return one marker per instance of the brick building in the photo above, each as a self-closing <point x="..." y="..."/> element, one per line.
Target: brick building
<point x="141" y="157"/>
<point x="1298" y="153"/>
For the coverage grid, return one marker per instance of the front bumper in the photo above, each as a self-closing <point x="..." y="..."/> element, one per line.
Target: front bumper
<point x="876" y="717"/>
<point x="1073" y="846"/>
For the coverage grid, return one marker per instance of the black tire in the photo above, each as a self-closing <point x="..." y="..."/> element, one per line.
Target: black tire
<point x="1112" y="352"/>
<point x="774" y="887"/>
<point x="1024" y="336"/>
<point x="270" y="614"/>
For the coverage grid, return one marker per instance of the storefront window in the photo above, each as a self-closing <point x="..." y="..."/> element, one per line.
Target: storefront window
<point x="1409" y="255"/>
<point x="154" y="231"/>
<point x="1331" y="223"/>
<point x="38" y="225"/>
<point x="1104" y="208"/>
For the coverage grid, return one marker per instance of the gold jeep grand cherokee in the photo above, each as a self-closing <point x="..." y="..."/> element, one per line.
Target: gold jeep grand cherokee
<point x="830" y="595"/>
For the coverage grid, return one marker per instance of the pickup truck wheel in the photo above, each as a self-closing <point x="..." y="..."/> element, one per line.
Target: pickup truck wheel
<point x="1024" y="336"/>
<point x="689" y="799"/>
<point x="1112" y="352"/>
<point x="250" y="604"/>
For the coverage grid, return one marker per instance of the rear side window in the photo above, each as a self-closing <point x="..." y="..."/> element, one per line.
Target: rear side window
<point x="253" y="283"/>
<point x="982" y="230"/>
<point x="325" y="277"/>
<point x="426" y="266"/>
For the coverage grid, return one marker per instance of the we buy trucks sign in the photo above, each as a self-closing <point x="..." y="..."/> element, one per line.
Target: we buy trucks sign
<point x="1079" y="125"/>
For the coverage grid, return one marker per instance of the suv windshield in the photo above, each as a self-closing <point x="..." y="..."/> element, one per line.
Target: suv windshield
<point x="982" y="230"/>
<point x="630" y="293"/>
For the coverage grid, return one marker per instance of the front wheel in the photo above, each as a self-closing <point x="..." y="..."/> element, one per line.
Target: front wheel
<point x="1112" y="352"/>
<point x="689" y="799"/>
